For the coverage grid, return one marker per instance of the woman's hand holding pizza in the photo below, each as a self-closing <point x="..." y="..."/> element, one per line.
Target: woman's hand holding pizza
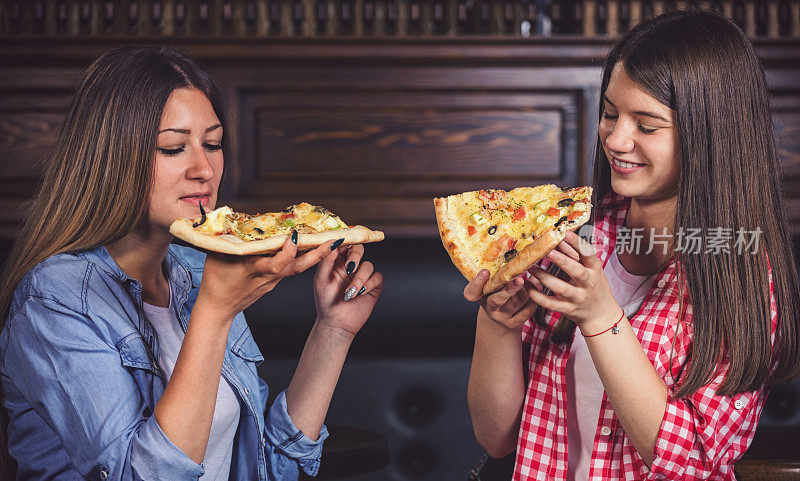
<point x="231" y="283"/>
<point x="510" y="307"/>
<point x="586" y="298"/>
<point x="346" y="290"/>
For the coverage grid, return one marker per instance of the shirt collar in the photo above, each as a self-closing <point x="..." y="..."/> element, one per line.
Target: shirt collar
<point x="179" y="273"/>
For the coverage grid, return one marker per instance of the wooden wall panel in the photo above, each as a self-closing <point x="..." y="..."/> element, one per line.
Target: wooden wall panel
<point x="373" y="138"/>
<point x="396" y="150"/>
<point x="27" y="126"/>
<point x="787" y="129"/>
<point x="404" y="141"/>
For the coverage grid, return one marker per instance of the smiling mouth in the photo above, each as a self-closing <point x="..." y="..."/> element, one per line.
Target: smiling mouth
<point x="624" y="165"/>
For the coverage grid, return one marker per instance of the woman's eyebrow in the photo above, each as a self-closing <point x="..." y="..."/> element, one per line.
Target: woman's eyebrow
<point x="640" y="112"/>
<point x="187" y="131"/>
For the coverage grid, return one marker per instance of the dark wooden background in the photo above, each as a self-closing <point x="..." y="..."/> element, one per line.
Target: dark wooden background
<point x="372" y="108"/>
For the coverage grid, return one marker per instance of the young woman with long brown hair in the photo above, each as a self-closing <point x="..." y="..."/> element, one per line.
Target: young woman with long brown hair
<point x="127" y="357"/>
<point x="679" y="340"/>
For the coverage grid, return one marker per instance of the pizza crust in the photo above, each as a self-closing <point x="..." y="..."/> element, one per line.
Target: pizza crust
<point x="460" y="258"/>
<point x="532" y="254"/>
<point x="231" y="244"/>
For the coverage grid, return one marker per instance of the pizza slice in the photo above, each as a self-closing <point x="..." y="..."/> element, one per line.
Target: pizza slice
<point x="229" y="232"/>
<point x="507" y="232"/>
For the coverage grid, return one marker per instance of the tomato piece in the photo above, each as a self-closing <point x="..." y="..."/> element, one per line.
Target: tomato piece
<point x="519" y="214"/>
<point x="511" y="243"/>
<point x="575" y="214"/>
<point x="471" y="229"/>
<point x="496" y="247"/>
<point x="552" y="211"/>
<point x="288" y="215"/>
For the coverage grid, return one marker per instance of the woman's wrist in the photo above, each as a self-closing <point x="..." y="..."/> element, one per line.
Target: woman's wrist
<point x="603" y="322"/>
<point x="494" y="327"/>
<point x="332" y="334"/>
<point x="205" y="311"/>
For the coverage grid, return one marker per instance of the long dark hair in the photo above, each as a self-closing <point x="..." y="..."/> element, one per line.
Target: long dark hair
<point x="98" y="173"/>
<point x="705" y="69"/>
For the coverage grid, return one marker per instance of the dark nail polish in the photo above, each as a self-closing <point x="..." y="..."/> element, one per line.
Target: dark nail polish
<point x="351" y="266"/>
<point x="337" y="243"/>
<point x="363" y="290"/>
<point x="294" y="237"/>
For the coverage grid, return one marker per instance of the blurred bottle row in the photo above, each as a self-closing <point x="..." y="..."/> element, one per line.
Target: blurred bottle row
<point x="370" y="18"/>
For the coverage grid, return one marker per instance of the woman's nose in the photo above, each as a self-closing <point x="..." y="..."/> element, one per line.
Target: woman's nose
<point x="200" y="167"/>
<point x="621" y="137"/>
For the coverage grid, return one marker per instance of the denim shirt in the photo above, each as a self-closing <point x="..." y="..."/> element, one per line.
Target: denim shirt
<point x="81" y="379"/>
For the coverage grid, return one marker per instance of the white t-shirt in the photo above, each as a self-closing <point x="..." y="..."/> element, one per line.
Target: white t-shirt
<point x="584" y="388"/>
<point x="217" y="460"/>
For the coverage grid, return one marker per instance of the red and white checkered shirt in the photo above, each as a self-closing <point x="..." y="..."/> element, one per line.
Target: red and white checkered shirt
<point x="700" y="436"/>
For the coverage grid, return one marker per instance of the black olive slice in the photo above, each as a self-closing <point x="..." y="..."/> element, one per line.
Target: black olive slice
<point x="492" y="230"/>
<point x="511" y="254"/>
<point x="561" y="221"/>
<point x="203" y="219"/>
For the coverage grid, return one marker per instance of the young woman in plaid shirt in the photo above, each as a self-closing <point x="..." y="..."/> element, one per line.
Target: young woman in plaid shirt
<point x="675" y="348"/>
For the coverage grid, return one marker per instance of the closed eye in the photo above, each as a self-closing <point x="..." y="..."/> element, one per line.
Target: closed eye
<point x="171" y="152"/>
<point x="208" y="146"/>
<point x="641" y="127"/>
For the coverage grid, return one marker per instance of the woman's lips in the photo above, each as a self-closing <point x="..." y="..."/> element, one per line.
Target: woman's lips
<point x="624" y="170"/>
<point x="196" y="199"/>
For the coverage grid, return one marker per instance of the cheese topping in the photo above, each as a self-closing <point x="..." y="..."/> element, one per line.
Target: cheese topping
<point x="217" y="221"/>
<point x="496" y="224"/>
<point x="304" y="218"/>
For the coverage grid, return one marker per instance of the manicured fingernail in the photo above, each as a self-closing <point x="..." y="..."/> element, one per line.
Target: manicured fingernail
<point x="351" y="266"/>
<point x="363" y="290"/>
<point x="294" y="237"/>
<point x="337" y="243"/>
<point x="351" y="293"/>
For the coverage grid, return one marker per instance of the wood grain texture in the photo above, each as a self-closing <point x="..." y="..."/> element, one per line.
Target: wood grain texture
<point x="410" y="141"/>
<point x="772" y="456"/>
<point x="373" y="130"/>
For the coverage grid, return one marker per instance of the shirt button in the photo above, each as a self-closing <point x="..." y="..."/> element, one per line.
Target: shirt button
<point x="605" y="431"/>
<point x="104" y="474"/>
<point x="661" y="283"/>
<point x="247" y="391"/>
<point x="263" y="440"/>
<point x="738" y="404"/>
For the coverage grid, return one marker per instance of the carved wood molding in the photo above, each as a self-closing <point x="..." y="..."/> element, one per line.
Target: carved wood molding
<point x="575" y="51"/>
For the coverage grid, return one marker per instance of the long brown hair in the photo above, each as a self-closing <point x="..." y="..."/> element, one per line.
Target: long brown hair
<point x="98" y="171"/>
<point x="704" y="68"/>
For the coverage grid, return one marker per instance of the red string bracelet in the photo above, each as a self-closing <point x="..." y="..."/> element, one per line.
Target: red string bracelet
<point x="614" y="329"/>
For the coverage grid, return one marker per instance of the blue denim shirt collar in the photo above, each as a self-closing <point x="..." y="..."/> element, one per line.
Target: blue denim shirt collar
<point x="179" y="273"/>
